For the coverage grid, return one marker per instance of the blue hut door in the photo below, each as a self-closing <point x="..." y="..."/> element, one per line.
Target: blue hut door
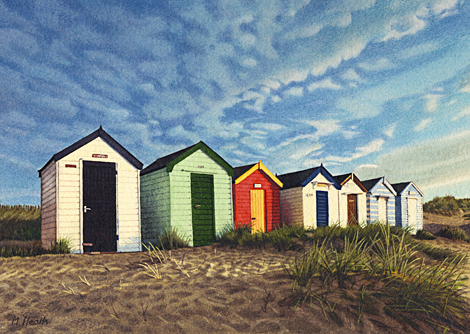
<point x="322" y="208"/>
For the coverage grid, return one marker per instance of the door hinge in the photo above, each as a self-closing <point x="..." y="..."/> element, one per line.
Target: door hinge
<point x="117" y="236"/>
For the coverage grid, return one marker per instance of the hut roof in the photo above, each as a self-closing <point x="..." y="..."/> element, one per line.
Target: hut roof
<point x="169" y="161"/>
<point x="242" y="172"/>
<point x="369" y="184"/>
<point x="399" y="187"/>
<point x="342" y="179"/>
<point x="106" y="138"/>
<point x="303" y="177"/>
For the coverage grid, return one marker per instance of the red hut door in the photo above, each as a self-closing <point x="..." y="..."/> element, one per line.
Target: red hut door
<point x="352" y="209"/>
<point x="99" y="207"/>
<point x="257" y="210"/>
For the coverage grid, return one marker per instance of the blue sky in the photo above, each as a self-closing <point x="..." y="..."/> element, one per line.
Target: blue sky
<point x="374" y="87"/>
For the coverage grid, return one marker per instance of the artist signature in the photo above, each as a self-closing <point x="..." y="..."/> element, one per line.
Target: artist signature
<point x="28" y="321"/>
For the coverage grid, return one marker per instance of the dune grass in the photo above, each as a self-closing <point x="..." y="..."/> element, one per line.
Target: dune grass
<point x="20" y="222"/>
<point x="10" y="248"/>
<point x="409" y="277"/>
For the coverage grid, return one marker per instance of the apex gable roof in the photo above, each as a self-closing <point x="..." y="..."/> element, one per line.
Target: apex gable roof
<point x="106" y="138"/>
<point x="242" y="172"/>
<point x="169" y="161"/>
<point x="342" y="179"/>
<point x="303" y="177"/>
<point x="400" y="187"/>
<point x="370" y="184"/>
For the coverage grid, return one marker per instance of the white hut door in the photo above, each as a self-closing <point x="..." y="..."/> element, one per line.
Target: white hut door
<point x="412" y="213"/>
<point x="383" y="209"/>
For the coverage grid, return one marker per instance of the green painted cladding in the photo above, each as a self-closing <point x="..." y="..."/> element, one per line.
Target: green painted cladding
<point x="155" y="205"/>
<point x="175" y="211"/>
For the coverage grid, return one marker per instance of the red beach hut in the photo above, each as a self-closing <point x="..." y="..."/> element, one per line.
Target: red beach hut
<point x="256" y="197"/>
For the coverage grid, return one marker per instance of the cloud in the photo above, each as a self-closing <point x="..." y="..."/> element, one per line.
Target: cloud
<point x="419" y="50"/>
<point x="180" y="132"/>
<point x="294" y="91"/>
<point x="463" y="112"/>
<point x="390" y="130"/>
<point x="408" y="25"/>
<point x="268" y="126"/>
<point x="432" y="102"/>
<point x="325" y="127"/>
<point x="351" y="75"/>
<point x="423" y="124"/>
<point x="372" y="147"/>
<point x="381" y="64"/>
<point x="324" y="84"/>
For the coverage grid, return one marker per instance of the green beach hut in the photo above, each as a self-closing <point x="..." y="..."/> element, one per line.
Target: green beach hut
<point x="190" y="190"/>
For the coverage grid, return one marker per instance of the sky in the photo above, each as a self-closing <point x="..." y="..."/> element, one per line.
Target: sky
<point x="378" y="88"/>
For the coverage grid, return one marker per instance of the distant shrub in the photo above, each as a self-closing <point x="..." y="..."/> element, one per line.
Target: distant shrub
<point x="454" y="233"/>
<point x="424" y="235"/>
<point x="447" y="205"/>
<point x="20" y="222"/>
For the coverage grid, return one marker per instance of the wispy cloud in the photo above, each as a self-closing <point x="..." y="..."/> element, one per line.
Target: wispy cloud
<point x="423" y="124"/>
<point x="325" y="84"/>
<point x="463" y="112"/>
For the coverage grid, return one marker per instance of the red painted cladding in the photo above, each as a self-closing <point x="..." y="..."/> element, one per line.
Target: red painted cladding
<point x="241" y="200"/>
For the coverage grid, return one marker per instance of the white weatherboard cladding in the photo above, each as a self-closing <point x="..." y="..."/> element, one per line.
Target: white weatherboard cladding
<point x="402" y="214"/>
<point x="319" y="183"/>
<point x="380" y="190"/>
<point x="291" y="206"/>
<point x="180" y="193"/>
<point x="69" y="185"/>
<point x="350" y="187"/>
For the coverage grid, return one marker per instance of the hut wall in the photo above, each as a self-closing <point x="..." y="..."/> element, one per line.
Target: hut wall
<point x="309" y="194"/>
<point x="127" y="197"/>
<point x="373" y="204"/>
<point x="180" y="193"/>
<point x="401" y="207"/>
<point x="350" y="187"/>
<point x="242" y="200"/>
<point x="48" y="205"/>
<point x="292" y="206"/>
<point x="155" y="205"/>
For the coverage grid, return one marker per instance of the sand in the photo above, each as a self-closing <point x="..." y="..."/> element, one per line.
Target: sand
<point x="210" y="289"/>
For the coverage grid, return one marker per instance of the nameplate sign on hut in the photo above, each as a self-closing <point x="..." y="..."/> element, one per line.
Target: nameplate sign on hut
<point x="101" y="156"/>
<point x="70" y="166"/>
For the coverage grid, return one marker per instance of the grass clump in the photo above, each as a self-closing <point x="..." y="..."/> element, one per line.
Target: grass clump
<point x="453" y="233"/>
<point x="402" y="272"/>
<point x="172" y="239"/>
<point x="424" y="235"/>
<point x="10" y="248"/>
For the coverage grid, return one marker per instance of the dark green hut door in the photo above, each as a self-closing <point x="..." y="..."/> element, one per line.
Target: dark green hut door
<point x="99" y="207"/>
<point x="202" y="201"/>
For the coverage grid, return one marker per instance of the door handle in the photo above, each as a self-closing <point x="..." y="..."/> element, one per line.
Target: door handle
<point x="85" y="209"/>
<point x="197" y="206"/>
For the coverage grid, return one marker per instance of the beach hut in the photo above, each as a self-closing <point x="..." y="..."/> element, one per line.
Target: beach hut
<point x="352" y="200"/>
<point x="409" y="206"/>
<point x="256" y="197"/>
<point x="90" y="194"/>
<point x="380" y="200"/>
<point x="310" y="197"/>
<point x="189" y="191"/>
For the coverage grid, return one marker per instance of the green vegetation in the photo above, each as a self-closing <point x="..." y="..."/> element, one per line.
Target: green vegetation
<point x="424" y="235"/>
<point x="378" y="261"/>
<point x="172" y="239"/>
<point x="20" y="222"/>
<point x="453" y="233"/>
<point x="282" y="238"/>
<point x="447" y="205"/>
<point x="10" y="248"/>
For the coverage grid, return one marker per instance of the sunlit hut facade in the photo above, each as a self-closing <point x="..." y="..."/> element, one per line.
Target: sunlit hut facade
<point x="352" y="200"/>
<point x="309" y="197"/>
<point x="256" y="197"/>
<point x="380" y="201"/>
<point x="90" y="194"/>
<point x="189" y="191"/>
<point x="409" y="206"/>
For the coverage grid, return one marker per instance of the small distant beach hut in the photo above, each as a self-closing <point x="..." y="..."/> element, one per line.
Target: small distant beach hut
<point x="190" y="191"/>
<point x="309" y="197"/>
<point x="90" y="194"/>
<point x="380" y="200"/>
<point x="409" y="206"/>
<point x="352" y="200"/>
<point x="256" y="197"/>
